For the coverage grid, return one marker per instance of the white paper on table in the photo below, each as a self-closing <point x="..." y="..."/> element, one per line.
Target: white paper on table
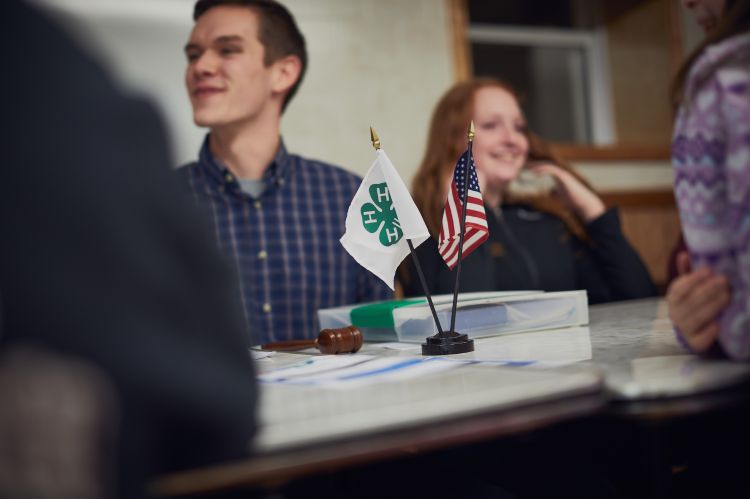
<point x="355" y="370"/>
<point x="260" y="354"/>
<point x="394" y="345"/>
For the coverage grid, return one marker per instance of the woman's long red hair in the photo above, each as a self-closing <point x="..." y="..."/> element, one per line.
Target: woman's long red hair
<point x="444" y="145"/>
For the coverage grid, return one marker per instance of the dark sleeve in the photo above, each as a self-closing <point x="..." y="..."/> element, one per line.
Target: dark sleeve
<point x="608" y="267"/>
<point x="372" y="288"/>
<point x="102" y="258"/>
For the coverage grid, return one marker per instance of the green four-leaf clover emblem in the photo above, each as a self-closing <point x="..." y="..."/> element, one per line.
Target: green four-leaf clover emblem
<point x="381" y="216"/>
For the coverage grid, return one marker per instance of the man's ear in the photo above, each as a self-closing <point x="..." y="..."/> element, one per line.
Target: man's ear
<point x="286" y="72"/>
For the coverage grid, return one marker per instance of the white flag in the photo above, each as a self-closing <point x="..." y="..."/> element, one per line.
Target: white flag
<point x="380" y="219"/>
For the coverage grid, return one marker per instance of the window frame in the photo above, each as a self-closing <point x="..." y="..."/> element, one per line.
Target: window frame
<point x="462" y="34"/>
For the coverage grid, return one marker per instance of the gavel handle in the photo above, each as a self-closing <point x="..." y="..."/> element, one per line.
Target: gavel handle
<point x="289" y="345"/>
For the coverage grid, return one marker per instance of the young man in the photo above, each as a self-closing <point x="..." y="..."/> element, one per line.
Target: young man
<point x="277" y="215"/>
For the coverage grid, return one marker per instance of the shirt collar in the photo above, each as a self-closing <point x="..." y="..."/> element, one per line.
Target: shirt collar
<point x="273" y="176"/>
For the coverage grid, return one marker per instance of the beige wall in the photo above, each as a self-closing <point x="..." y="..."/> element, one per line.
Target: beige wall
<point x="372" y="62"/>
<point x="627" y="175"/>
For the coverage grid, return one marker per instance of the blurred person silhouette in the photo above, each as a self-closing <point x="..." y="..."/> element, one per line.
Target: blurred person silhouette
<point x="710" y="304"/>
<point x="110" y="281"/>
<point x="548" y="230"/>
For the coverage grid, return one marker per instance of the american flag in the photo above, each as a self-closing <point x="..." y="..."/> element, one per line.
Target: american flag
<point x="476" y="220"/>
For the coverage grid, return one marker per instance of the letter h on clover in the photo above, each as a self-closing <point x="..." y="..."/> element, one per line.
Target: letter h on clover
<point x="381" y="216"/>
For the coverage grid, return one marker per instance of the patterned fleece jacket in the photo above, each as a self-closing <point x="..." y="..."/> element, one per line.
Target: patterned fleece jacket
<point x="711" y="161"/>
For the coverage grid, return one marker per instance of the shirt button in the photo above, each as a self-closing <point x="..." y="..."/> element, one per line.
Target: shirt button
<point x="229" y="177"/>
<point x="266" y="307"/>
<point x="262" y="255"/>
<point x="257" y="205"/>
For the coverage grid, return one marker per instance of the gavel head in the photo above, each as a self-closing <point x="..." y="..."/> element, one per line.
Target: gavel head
<point x="342" y="340"/>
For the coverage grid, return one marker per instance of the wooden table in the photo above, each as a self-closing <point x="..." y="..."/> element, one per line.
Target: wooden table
<point x="625" y="366"/>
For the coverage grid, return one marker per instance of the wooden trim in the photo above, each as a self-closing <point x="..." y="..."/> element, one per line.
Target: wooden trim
<point x="662" y="197"/>
<point x="273" y="469"/>
<point x="577" y="152"/>
<point x="676" y="41"/>
<point x="458" y="19"/>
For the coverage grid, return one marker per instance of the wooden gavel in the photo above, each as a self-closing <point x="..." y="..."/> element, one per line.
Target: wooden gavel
<point x="329" y="341"/>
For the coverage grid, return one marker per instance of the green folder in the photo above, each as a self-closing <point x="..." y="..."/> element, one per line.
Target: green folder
<point x="375" y="320"/>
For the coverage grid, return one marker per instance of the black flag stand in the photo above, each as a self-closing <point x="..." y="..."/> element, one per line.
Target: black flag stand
<point x="376" y="144"/>
<point x="424" y="286"/>
<point x="450" y="342"/>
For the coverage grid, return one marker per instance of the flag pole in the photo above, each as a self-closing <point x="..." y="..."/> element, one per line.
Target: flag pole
<point x="376" y="144"/>
<point x="465" y="196"/>
<point x="451" y="341"/>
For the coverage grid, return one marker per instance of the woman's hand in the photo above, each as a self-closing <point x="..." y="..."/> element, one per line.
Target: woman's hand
<point x="695" y="299"/>
<point x="587" y="205"/>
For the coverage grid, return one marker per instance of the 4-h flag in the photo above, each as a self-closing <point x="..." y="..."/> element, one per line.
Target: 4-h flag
<point x="380" y="219"/>
<point x="476" y="221"/>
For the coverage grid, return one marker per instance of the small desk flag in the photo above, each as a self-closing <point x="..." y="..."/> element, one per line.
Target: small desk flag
<point x="380" y="219"/>
<point x="476" y="221"/>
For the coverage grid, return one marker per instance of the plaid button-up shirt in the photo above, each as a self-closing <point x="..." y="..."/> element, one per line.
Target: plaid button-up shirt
<point x="285" y="243"/>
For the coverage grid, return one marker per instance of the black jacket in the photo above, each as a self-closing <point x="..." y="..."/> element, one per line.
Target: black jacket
<point x="528" y="249"/>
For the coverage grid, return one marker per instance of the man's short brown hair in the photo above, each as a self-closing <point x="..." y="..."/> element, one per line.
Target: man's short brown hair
<point x="278" y="33"/>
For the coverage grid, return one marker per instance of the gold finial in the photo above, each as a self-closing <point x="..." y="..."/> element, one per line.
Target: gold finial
<point x="374" y="138"/>
<point x="471" y="131"/>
